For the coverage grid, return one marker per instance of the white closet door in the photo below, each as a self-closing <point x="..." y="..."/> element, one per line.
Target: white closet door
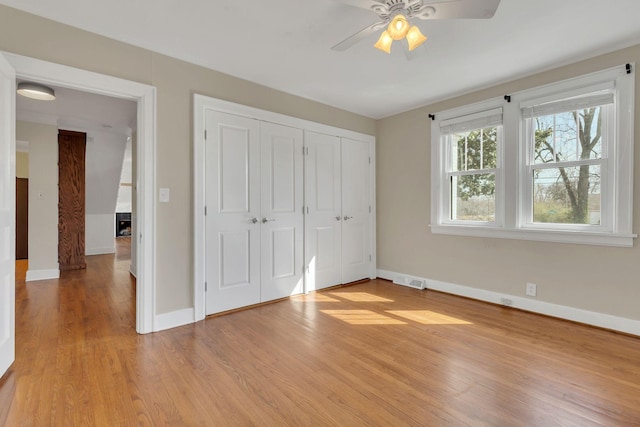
<point x="232" y="199"/>
<point x="323" y="235"/>
<point x="281" y="211"/>
<point x="356" y="210"/>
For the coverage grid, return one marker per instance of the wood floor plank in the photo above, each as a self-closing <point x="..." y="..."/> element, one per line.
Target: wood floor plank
<point x="369" y="354"/>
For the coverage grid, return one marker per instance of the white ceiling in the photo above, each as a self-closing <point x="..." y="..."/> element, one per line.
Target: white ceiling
<point x="285" y="44"/>
<point x="76" y="110"/>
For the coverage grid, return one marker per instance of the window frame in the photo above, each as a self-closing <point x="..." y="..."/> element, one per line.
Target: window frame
<point x="441" y="168"/>
<point x="529" y="165"/>
<point x="450" y="173"/>
<point x="514" y="204"/>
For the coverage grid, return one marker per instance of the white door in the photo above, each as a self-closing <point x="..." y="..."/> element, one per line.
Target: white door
<point x="232" y="200"/>
<point x="7" y="214"/>
<point x="323" y="235"/>
<point x="356" y="210"/>
<point x="281" y="217"/>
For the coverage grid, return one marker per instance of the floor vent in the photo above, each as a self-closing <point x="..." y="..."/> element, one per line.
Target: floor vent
<point x="411" y="282"/>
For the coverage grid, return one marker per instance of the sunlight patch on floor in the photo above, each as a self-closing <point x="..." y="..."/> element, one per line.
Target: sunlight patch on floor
<point x="427" y="317"/>
<point x="360" y="297"/>
<point x="363" y="317"/>
<point x="318" y="298"/>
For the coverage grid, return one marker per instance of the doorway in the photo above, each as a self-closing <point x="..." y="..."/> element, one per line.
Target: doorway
<point x="46" y="72"/>
<point x="22" y="218"/>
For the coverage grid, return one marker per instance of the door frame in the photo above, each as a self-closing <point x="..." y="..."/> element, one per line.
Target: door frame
<point x="201" y="104"/>
<point x="7" y="215"/>
<point x="145" y="95"/>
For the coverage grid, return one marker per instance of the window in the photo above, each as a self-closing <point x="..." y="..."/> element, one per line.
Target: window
<point x="472" y="144"/>
<point x="567" y="145"/>
<point x="553" y="163"/>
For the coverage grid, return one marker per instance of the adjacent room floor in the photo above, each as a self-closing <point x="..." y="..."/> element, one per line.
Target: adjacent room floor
<point x="373" y="353"/>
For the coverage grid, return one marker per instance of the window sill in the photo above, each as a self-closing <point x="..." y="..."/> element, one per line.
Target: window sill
<point x="576" y="237"/>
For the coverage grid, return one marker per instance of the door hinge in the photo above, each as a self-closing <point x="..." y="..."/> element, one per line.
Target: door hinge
<point x="369" y="257"/>
<point x="369" y="208"/>
<point x="205" y="286"/>
<point x="369" y="159"/>
<point x="205" y="211"/>
<point x="205" y="134"/>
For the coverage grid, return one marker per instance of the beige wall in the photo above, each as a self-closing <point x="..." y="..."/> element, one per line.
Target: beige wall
<point x="43" y="194"/>
<point x="22" y="165"/>
<point x="176" y="82"/>
<point x="595" y="278"/>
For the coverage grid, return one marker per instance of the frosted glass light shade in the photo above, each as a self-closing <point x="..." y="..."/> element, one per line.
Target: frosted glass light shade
<point x="415" y="38"/>
<point x="384" y="42"/>
<point x="36" y="91"/>
<point x="398" y="27"/>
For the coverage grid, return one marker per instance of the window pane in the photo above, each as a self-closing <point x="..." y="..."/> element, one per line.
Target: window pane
<point x="567" y="195"/>
<point x="476" y="149"/>
<point x="568" y="136"/>
<point x="473" y="197"/>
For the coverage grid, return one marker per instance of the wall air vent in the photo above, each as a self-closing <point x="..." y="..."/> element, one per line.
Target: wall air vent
<point x="411" y="282"/>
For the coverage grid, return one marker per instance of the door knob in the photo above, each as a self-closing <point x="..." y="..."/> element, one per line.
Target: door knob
<point x="347" y="217"/>
<point x="338" y="218"/>
<point x="254" y="220"/>
<point x="266" y="220"/>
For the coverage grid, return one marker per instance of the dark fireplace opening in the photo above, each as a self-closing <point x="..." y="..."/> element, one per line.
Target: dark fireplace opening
<point x="123" y="224"/>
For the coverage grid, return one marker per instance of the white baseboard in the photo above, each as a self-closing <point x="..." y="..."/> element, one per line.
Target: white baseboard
<point x="33" y="275"/>
<point x="173" y="319"/>
<point x="621" y="324"/>
<point x="132" y="270"/>
<point x="100" y="251"/>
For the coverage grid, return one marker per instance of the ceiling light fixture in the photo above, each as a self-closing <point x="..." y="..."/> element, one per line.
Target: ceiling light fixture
<point x="36" y="91"/>
<point x="398" y="29"/>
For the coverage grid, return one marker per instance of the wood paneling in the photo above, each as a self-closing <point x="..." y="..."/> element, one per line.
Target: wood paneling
<point x="22" y="218"/>
<point x="71" y="199"/>
<point x="368" y="354"/>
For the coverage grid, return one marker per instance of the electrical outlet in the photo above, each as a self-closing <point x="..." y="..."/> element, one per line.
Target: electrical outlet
<point x="532" y="289"/>
<point x="506" y="301"/>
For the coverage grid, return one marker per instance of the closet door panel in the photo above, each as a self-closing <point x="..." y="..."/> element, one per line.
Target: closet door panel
<point x="324" y="219"/>
<point x="232" y="197"/>
<point x="281" y="219"/>
<point x="356" y="210"/>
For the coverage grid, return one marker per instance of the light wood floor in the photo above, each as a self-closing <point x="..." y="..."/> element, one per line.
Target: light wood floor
<point x="369" y="354"/>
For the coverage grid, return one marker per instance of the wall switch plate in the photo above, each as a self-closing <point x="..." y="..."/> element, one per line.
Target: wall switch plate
<point x="532" y="289"/>
<point x="164" y="195"/>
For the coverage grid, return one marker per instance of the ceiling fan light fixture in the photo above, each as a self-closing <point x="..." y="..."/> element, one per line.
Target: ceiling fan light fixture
<point x="384" y="42"/>
<point x="36" y="91"/>
<point x="398" y="27"/>
<point x="415" y="37"/>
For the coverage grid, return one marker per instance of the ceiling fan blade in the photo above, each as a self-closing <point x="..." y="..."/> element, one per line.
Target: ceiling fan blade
<point x="355" y="38"/>
<point x="373" y="5"/>
<point x="457" y="9"/>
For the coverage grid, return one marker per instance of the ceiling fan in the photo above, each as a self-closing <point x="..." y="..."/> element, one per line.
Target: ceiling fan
<point x="395" y="15"/>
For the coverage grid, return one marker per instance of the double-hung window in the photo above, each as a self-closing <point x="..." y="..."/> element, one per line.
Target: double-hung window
<point x="568" y="142"/>
<point x="553" y="163"/>
<point x="472" y="159"/>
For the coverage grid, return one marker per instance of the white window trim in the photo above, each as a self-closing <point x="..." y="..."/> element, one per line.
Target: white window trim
<point x="513" y="174"/>
<point x="477" y="120"/>
<point x="606" y="181"/>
